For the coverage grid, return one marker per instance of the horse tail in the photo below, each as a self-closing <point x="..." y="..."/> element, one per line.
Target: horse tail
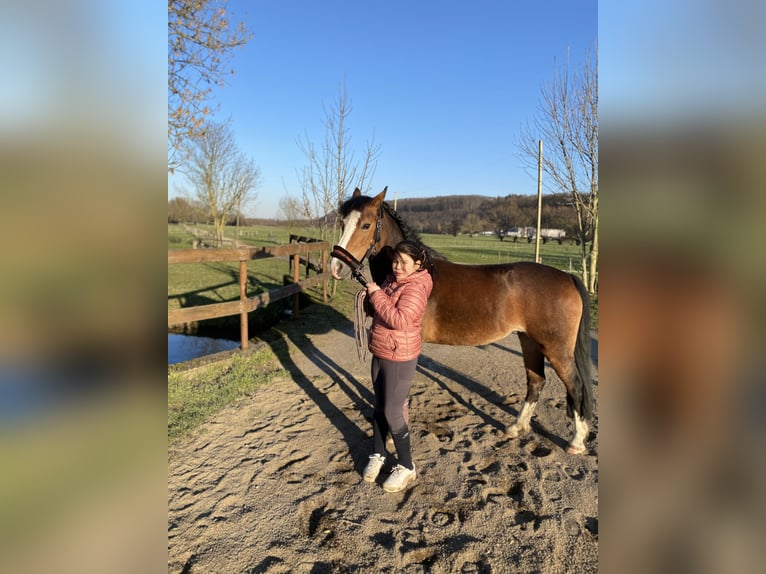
<point x="583" y="380"/>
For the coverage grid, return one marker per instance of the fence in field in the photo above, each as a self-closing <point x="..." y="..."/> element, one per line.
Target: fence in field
<point x="245" y="304"/>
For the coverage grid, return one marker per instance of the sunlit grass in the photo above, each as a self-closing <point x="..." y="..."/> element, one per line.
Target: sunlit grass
<point x="195" y="395"/>
<point x="489" y="250"/>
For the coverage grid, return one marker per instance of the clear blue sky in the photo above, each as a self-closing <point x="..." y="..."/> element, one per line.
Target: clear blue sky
<point x="444" y="86"/>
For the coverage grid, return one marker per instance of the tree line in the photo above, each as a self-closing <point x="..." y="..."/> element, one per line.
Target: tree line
<point x="456" y="214"/>
<point x="472" y="214"/>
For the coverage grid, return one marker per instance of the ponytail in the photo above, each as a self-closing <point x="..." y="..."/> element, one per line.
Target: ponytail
<point x="418" y="252"/>
<point x="427" y="264"/>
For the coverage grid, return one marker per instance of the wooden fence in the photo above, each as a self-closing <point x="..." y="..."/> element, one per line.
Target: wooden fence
<point x="246" y="304"/>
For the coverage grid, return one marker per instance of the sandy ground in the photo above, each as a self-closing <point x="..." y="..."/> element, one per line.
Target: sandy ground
<point x="273" y="484"/>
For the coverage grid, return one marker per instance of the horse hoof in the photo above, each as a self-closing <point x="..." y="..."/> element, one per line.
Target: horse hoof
<point x="572" y="449"/>
<point x="515" y="431"/>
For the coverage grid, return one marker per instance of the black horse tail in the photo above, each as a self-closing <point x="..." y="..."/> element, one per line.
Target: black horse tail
<point x="583" y="380"/>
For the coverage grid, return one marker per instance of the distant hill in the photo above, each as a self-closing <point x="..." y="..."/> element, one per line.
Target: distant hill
<point x="476" y="213"/>
<point x="453" y="214"/>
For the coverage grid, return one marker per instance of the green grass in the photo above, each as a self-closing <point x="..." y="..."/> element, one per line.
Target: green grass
<point x="191" y="284"/>
<point x="489" y="250"/>
<point x="196" y="395"/>
<point x="256" y="235"/>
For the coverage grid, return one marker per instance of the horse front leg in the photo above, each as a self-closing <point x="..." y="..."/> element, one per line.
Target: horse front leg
<point x="523" y="423"/>
<point x="534" y="363"/>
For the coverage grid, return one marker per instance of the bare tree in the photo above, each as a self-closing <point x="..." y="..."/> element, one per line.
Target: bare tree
<point x="183" y="210"/>
<point x="200" y="45"/>
<point x="290" y="208"/>
<point x="505" y="213"/>
<point x="472" y="224"/>
<point x="332" y="169"/>
<point x="567" y="122"/>
<point x="221" y="177"/>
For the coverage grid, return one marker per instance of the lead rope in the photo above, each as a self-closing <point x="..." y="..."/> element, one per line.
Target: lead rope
<point x="360" y="326"/>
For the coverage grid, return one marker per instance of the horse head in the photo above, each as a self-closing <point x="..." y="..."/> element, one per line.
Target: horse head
<point x="361" y="224"/>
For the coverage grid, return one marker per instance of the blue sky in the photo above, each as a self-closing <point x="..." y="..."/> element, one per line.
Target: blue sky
<point x="443" y="86"/>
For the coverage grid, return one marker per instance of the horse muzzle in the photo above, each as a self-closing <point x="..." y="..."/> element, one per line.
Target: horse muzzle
<point x="338" y="269"/>
<point x="342" y="263"/>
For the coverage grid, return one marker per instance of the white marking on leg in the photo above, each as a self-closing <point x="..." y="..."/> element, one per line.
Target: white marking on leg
<point x="522" y="424"/>
<point x="577" y="445"/>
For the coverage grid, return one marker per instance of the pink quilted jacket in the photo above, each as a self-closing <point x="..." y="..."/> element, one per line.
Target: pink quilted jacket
<point x="398" y="312"/>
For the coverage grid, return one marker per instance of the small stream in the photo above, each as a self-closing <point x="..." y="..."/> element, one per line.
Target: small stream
<point x="187" y="347"/>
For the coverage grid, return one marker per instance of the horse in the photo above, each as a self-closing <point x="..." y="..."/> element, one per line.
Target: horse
<point x="475" y="305"/>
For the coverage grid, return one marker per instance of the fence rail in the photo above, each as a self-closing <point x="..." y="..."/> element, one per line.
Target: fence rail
<point x="246" y="304"/>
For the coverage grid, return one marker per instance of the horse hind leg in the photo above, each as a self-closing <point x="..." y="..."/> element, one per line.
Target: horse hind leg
<point x="534" y="364"/>
<point x="565" y="370"/>
<point x="577" y="444"/>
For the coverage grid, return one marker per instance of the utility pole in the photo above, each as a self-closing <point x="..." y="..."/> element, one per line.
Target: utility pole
<point x="539" y="198"/>
<point x="395" y="194"/>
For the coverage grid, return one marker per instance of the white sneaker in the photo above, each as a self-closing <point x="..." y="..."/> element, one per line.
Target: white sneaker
<point x="372" y="470"/>
<point x="400" y="478"/>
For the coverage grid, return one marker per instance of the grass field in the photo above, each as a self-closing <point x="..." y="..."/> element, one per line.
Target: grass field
<point x="193" y="396"/>
<point x="191" y="284"/>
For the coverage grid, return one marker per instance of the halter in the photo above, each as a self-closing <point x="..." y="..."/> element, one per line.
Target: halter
<point x="373" y="249"/>
<point x="357" y="265"/>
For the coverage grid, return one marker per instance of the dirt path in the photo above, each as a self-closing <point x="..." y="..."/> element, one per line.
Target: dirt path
<point x="274" y="484"/>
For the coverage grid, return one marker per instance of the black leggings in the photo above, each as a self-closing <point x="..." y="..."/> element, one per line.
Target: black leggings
<point x="391" y="381"/>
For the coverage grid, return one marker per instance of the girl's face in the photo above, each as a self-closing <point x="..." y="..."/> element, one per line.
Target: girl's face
<point x="404" y="266"/>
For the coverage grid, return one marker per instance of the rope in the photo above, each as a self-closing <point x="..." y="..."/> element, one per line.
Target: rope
<point x="360" y="326"/>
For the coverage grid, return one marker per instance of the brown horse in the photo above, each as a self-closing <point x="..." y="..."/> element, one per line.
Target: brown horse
<point x="479" y="304"/>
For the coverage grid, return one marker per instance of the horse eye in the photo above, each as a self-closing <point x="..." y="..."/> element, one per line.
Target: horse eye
<point x="365" y="226"/>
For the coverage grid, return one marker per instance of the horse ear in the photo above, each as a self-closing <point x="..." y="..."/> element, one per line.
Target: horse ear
<point x="357" y="192"/>
<point x="378" y="199"/>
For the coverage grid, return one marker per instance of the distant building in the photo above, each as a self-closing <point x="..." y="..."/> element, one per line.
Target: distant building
<point x="531" y="233"/>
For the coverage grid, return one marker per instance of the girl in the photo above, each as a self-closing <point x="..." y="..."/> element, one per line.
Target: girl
<point x="397" y="308"/>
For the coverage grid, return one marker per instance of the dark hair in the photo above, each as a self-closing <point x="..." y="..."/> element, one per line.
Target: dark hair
<point x="417" y="251"/>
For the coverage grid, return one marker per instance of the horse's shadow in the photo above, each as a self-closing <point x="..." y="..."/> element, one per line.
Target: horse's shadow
<point x="438" y="372"/>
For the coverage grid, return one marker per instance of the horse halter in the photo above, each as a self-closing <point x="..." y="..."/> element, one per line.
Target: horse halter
<point x="357" y="265"/>
<point x="373" y="248"/>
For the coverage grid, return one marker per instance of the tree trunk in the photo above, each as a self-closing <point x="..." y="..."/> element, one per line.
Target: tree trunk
<point x="592" y="283"/>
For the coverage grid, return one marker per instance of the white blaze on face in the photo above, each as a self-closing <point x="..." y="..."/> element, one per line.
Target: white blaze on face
<point x="349" y="227"/>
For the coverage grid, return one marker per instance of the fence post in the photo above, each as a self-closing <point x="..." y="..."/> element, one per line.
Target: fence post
<point x="242" y="300"/>
<point x="296" y="278"/>
<point x="324" y="270"/>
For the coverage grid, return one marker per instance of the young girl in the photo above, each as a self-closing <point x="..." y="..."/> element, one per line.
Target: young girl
<point x="397" y="307"/>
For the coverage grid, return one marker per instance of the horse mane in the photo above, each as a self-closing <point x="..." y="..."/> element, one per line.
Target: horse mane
<point x="353" y="204"/>
<point x="410" y="233"/>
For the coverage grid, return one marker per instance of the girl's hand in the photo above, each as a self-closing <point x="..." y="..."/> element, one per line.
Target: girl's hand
<point x="372" y="287"/>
